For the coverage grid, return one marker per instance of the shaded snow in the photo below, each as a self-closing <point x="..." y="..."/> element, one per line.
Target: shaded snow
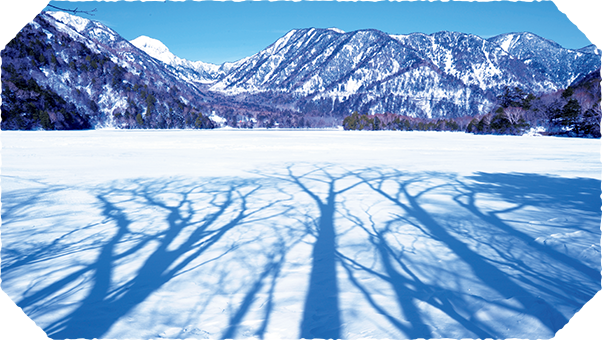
<point x="290" y="234"/>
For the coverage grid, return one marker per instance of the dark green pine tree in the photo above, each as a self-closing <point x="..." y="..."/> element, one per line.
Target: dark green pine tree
<point x="569" y="114"/>
<point x="139" y="119"/>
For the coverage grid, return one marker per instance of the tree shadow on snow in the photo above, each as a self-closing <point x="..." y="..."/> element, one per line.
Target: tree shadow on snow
<point x="527" y="283"/>
<point x="187" y="233"/>
<point x="472" y="223"/>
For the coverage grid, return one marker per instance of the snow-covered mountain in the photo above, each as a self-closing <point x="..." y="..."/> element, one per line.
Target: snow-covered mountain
<point x="325" y="69"/>
<point x="442" y="74"/>
<point x="97" y="37"/>
<point x="593" y="48"/>
<point x="193" y="71"/>
<point x="83" y="74"/>
<point x="308" y="77"/>
<point x="560" y="65"/>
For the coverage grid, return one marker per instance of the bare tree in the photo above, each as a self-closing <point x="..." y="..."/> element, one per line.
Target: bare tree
<point x="597" y="111"/>
<point x="514" y="114"/>
<point x="74" y="11"/>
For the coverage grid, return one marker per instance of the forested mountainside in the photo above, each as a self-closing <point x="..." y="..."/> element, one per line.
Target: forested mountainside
<point x="56" y="77"/>
<point x="67" y="72"/>
<point x="442" y="75"/>
<point x="446" y="74"/>
<point x="573" y="112"/>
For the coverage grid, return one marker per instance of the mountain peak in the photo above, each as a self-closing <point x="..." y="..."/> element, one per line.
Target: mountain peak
<point x="155" y="48"/>
<point x="195" y="71"/>
<point x="511" y="41"/>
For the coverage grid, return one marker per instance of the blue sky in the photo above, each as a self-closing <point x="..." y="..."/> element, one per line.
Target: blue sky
<point x="227" y="31"/>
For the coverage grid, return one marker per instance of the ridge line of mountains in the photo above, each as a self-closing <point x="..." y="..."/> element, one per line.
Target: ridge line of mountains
<point x="67" y="72"/>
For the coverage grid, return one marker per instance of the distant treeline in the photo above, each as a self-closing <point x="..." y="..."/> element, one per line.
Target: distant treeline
<point x="573" y="112"/>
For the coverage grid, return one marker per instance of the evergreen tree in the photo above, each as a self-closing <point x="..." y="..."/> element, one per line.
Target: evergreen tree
<point x="500" y="124"/>
<point x="511" y="97"/>
<point x="351" y="122"/>
<point x="567" y="117"/>
<point x="139" y="119"/>
<point x="376" y="124"/>
<point x="150" y="105"/>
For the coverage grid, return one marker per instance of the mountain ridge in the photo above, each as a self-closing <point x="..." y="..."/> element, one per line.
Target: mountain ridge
<point x="291" y="65"/>
<point x="302" y="66"/>
<point x="307" y="77"/>
<point x="106" y="79"/>
<point x="195" y="71"/>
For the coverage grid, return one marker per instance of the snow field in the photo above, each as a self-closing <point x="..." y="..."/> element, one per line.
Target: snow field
<point x="289" y="234"/>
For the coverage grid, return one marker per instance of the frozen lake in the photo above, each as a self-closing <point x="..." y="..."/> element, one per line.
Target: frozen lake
<point x="290" y="234"/>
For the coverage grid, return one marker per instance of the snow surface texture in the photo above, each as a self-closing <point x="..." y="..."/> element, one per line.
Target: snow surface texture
<point x="290" y="234"/>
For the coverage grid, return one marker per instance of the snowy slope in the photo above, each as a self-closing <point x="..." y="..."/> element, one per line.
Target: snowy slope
<point x="593" y="48"/>
<point x="475" y="61"/>
<point x="307" y="61"/>
<point x="79" y="28"/>
<point x="289" y="234"/>
<point x="441" y="74"/>
<point x="194" y="71"/>
<point x="363" y="70"/>
<point x="308" y="75"/>
<point x="96" y="75"/>
<point x="98" y="37"/>
<point x="561" y="66"/>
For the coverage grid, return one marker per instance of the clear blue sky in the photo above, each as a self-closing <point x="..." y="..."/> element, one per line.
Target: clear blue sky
<point x="227" y="31"/>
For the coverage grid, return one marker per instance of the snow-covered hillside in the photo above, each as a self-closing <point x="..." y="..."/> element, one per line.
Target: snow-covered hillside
<point x="309" y="77"/>
<point x="593" y="48"/>
<point x="82" y="74"/>
<point x="444" y="74"/>
<point x="441" y="74"/>
<point x="560" y="65"/>
<point x="193" y="71"/>
<point x="289" y="234"/>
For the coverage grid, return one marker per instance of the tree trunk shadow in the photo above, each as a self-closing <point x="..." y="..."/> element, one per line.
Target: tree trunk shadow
<point x="487" y="273"/>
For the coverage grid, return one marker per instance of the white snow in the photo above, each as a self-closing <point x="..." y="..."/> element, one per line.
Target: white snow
<point x="73" y="26"/>
<point x="76" y="22"/>
<point x="212" y="234"/>
<point x="156" y="49"/>
<point x="508" y="41"/>
<point x="217" y="119"/>
<point x="280" y="43"/>
<point x="399" y="37"/>
<point x="337" y="30"/>
<point x="35" y="25"/>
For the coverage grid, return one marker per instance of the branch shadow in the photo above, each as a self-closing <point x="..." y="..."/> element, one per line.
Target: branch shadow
<point x="528" y="190"/>
<point x="321" y="312"/>
<point x="408" y="222"/>
<point x="581" y="195"/>
<point x="185" y="237"/>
